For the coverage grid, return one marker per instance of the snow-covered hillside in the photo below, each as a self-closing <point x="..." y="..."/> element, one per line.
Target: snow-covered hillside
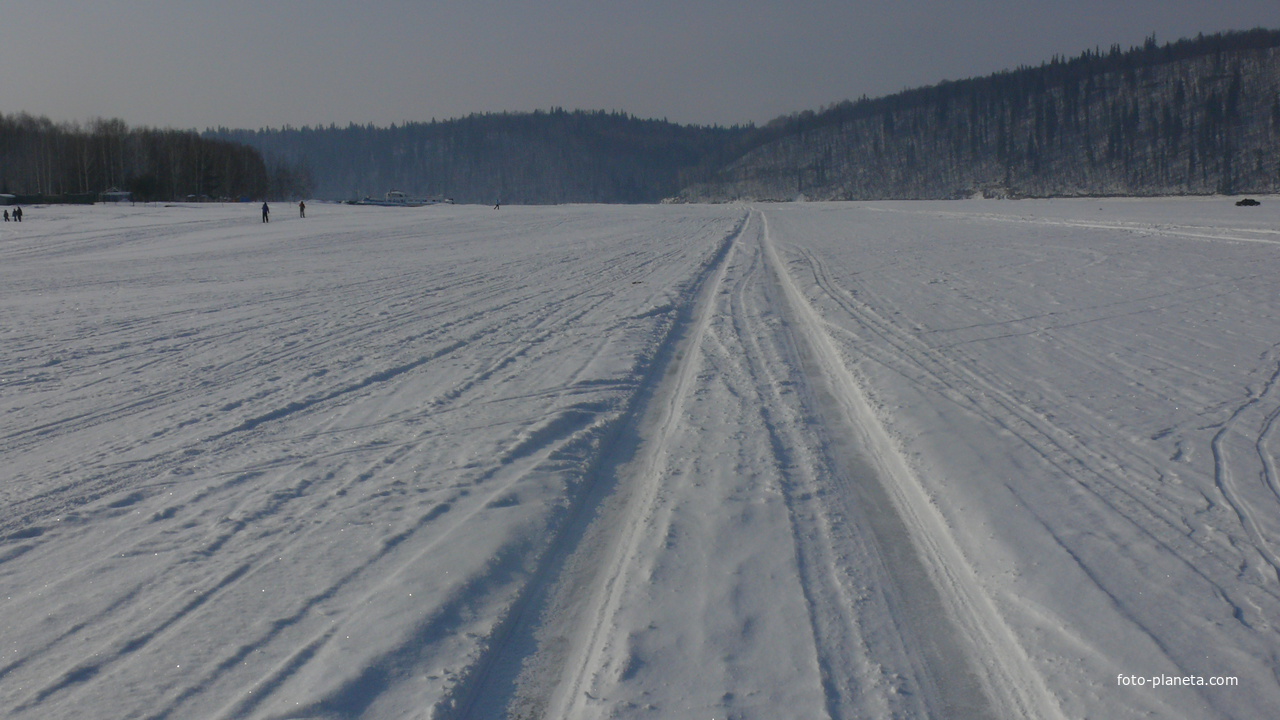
<point x="860" y="460"/>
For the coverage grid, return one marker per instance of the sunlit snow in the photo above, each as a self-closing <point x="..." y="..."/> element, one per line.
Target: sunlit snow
<point x="851" y="460"/>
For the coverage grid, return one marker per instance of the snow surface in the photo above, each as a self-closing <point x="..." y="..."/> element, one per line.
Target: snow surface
<point x="851" y="460"/>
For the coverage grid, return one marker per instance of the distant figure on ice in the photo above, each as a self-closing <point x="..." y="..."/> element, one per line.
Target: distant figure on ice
<point x="6" y="216"/>
<point x="302" y="209"/>
<point x="17" y="214"/>
<point x="265" y="212"/>
<point x="497" y="205"/>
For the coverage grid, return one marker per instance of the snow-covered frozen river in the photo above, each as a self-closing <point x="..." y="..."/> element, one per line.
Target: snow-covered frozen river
<point x="975" y="459"/>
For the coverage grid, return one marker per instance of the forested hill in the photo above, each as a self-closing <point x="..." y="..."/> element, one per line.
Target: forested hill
<point x="1191" y="117"/>
<point x="540" y="157"/>
<point x="1195" y="116"/>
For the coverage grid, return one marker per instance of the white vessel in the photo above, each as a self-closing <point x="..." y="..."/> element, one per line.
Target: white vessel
<point x="394" y="198"/>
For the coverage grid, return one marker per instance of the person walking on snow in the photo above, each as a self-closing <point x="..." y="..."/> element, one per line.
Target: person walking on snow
<point x="265" y="211"/>
<point x="302" y="208"/>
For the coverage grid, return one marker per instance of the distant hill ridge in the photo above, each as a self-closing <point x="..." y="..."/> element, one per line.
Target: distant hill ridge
<point x="542" y="157"/>
<point x="1195" y="116"/>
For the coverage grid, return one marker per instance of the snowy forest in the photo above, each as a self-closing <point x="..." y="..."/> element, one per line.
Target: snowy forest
<point x="44" y="161"/>
<point x="1192" y="117"/>
<point x="542" y="157"/>
<point x="1195" y="116"/>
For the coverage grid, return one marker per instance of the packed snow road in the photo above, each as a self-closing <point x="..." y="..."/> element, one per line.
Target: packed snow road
<point x="963" y="460"/>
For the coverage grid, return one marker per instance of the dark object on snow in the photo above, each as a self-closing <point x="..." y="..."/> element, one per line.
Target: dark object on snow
<point x="1247" y="202"/>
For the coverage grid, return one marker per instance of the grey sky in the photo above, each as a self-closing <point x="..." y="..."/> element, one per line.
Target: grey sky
<point x="266" y="63"/>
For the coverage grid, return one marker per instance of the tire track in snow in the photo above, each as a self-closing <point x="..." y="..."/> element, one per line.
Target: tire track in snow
<point x="844" y="655"/>
<point x="642" y="477"/>
<point x="257" y="495"/>
<point x="1224" y="469"/>
<point x="473" y="325"/>
<point x="572" y="564"/>
<point x="537" y="448"/>
<point x="1061" y="449"/>
<point x="83" y="672"/>
<point x="527" y="451"/>
<point x="969" y="663"/>
<point x="1192" y="232"/>
<point x="960" y="653"/>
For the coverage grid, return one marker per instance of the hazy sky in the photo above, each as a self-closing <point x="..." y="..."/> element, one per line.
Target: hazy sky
<point x="266" y="63"/>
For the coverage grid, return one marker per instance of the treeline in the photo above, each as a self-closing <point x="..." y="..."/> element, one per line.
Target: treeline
<point x="1195" y="116"/>
<point x="541" y="157"/>
<point x="1192" y="117"/>
<point x="39" y="157"/>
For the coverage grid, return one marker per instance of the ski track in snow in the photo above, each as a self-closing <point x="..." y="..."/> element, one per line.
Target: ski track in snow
<point x="848" y="460"/>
